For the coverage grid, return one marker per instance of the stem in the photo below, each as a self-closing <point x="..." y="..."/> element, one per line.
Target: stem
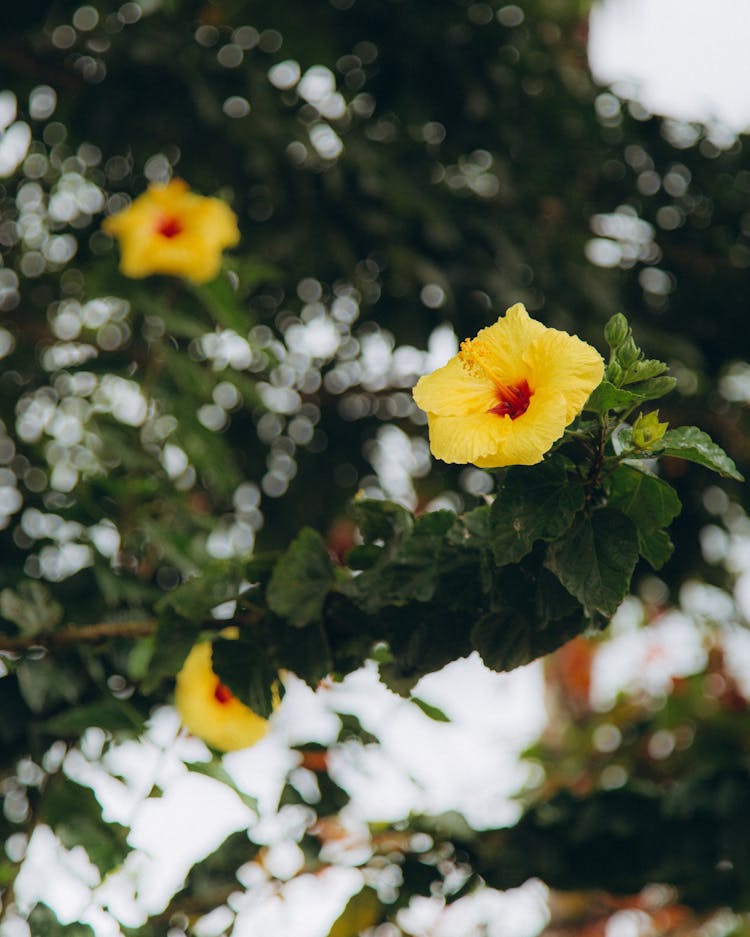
<point x="103" y="631"/>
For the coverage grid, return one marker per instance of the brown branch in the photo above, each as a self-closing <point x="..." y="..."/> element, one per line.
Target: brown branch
<point x="85" y="634"/>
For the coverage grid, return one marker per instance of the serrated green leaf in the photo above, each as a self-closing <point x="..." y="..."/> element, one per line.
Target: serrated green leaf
<point x="692" y="444"/>
<point x="606" y="397"/>
<point x="595" y="559"/>
<point x="647" y="500"/>
<point x="244" y="666"/>
<point x="533" y="503"/>
<point x="301" y="580"/>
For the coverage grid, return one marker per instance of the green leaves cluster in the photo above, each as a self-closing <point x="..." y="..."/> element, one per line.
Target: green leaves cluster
<point x="553" y="554"/>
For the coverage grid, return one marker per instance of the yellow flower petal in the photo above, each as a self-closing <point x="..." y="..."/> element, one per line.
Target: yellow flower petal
<point x="566" y="363"/>
<point x="509" y="393"/>
<point x="169" y="229"/>
<point x="225" y="723"/>
<point x="453" y="390"/>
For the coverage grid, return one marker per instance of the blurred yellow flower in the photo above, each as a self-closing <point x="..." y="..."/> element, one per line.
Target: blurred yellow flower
<point x="209" y="710"/>
<point x="509" y="393"/>
<point x="169" y="229"/>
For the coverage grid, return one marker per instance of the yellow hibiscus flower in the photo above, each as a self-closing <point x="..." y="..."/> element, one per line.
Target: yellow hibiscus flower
<point x="169" y="229"/>
<point x="209" y="709"/>
<point x="509" y="393"/>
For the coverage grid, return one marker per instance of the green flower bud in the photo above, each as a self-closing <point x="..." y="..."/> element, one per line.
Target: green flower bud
<point x="616" y="330"/>
<point x="647" y="430"/>
<point x="628" y="353"/>
<point x="614" y="373"/>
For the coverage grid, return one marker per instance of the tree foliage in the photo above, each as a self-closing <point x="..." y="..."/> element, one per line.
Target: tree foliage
<point x="175" y="456"/>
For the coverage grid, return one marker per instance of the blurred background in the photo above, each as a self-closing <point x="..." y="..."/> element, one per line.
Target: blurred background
<point x="402" y="173"/>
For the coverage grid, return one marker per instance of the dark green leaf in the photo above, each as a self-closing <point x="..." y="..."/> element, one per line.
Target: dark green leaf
<point x="655" y="546"/>
<point x="595" y="559"/>
<point x="44" y="683"/>
<point x="44" y="923"/>
<point x="380" y="520"/>
<point x="305" y="652"/>
<point x="244" y="666"/>
<point x="110" y="715"/>
<point x="301" y="580"/>
<point x="533" y="503"/>
<point x="692" y="444"/>
<point x="503" y="639"/>
<point x="74" y="814"/>
<point x="175" y="636"/>
<point x="647" y="500"/>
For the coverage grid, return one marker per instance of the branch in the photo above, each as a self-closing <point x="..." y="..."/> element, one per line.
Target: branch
<point x="88" y="634"/>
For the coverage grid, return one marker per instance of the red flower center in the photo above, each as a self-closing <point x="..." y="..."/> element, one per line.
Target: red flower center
<point x="222" y="694"/>
<point x="513" y="401"/>
<point x="169" y="227"/>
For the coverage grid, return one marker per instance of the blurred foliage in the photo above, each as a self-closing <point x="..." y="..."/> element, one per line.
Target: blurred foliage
<point x="172" y="456"/>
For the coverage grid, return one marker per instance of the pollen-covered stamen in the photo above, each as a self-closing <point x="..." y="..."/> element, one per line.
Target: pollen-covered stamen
<point x="222" y="694"/>
<point x="513" y="400"/>
<point x="169" y="227"/>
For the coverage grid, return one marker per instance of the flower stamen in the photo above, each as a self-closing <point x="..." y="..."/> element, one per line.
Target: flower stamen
<point x="514" y="400"/>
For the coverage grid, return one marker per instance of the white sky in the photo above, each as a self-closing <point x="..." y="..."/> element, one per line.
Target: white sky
<point x="684" y="58"/>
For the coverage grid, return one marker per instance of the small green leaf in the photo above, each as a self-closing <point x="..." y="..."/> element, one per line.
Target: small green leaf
<point x="655" y="546"/>
<point x="647" y="500"/>
<point x="380" y="520"/>
<point x="654" y="388"/>
<point x="533" y="503"/>
<point x="644" y="371"/>
<point x="692" y="444"/>
<point x="429" y="710"/>
<point x="595" y="559"/>
<point x="608" y="398"/>
<point x="301" y="580"/>
<point x="244" y="666"/>
<point x="362" y="911"/>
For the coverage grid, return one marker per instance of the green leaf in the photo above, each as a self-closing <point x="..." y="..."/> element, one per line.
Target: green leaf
<point x="654" y="388"/>
<point x="647" y="500"/>
<point x="595" y="559"/>
<point x="433" y="712"/>
<point x="244" y="666"/>
<point x="380" y="520"/>
<point x="533" y="503"/>
<point x="644" y="370"/>
<point x="175" y="636"/>
<point x="110" y="715"/>
<point x="305" y="652"/>
<point x="32" y="608"/>
<point x="74" y="814"/>
<point x="301" y="580"/>
<point x="692" y="444"/>
<point x="44" y="923"/>
<point x="44" y="683"/>
<point x="607" y="397"/>
<point x="655" y="546"/>
<point x="503" y="639"/>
